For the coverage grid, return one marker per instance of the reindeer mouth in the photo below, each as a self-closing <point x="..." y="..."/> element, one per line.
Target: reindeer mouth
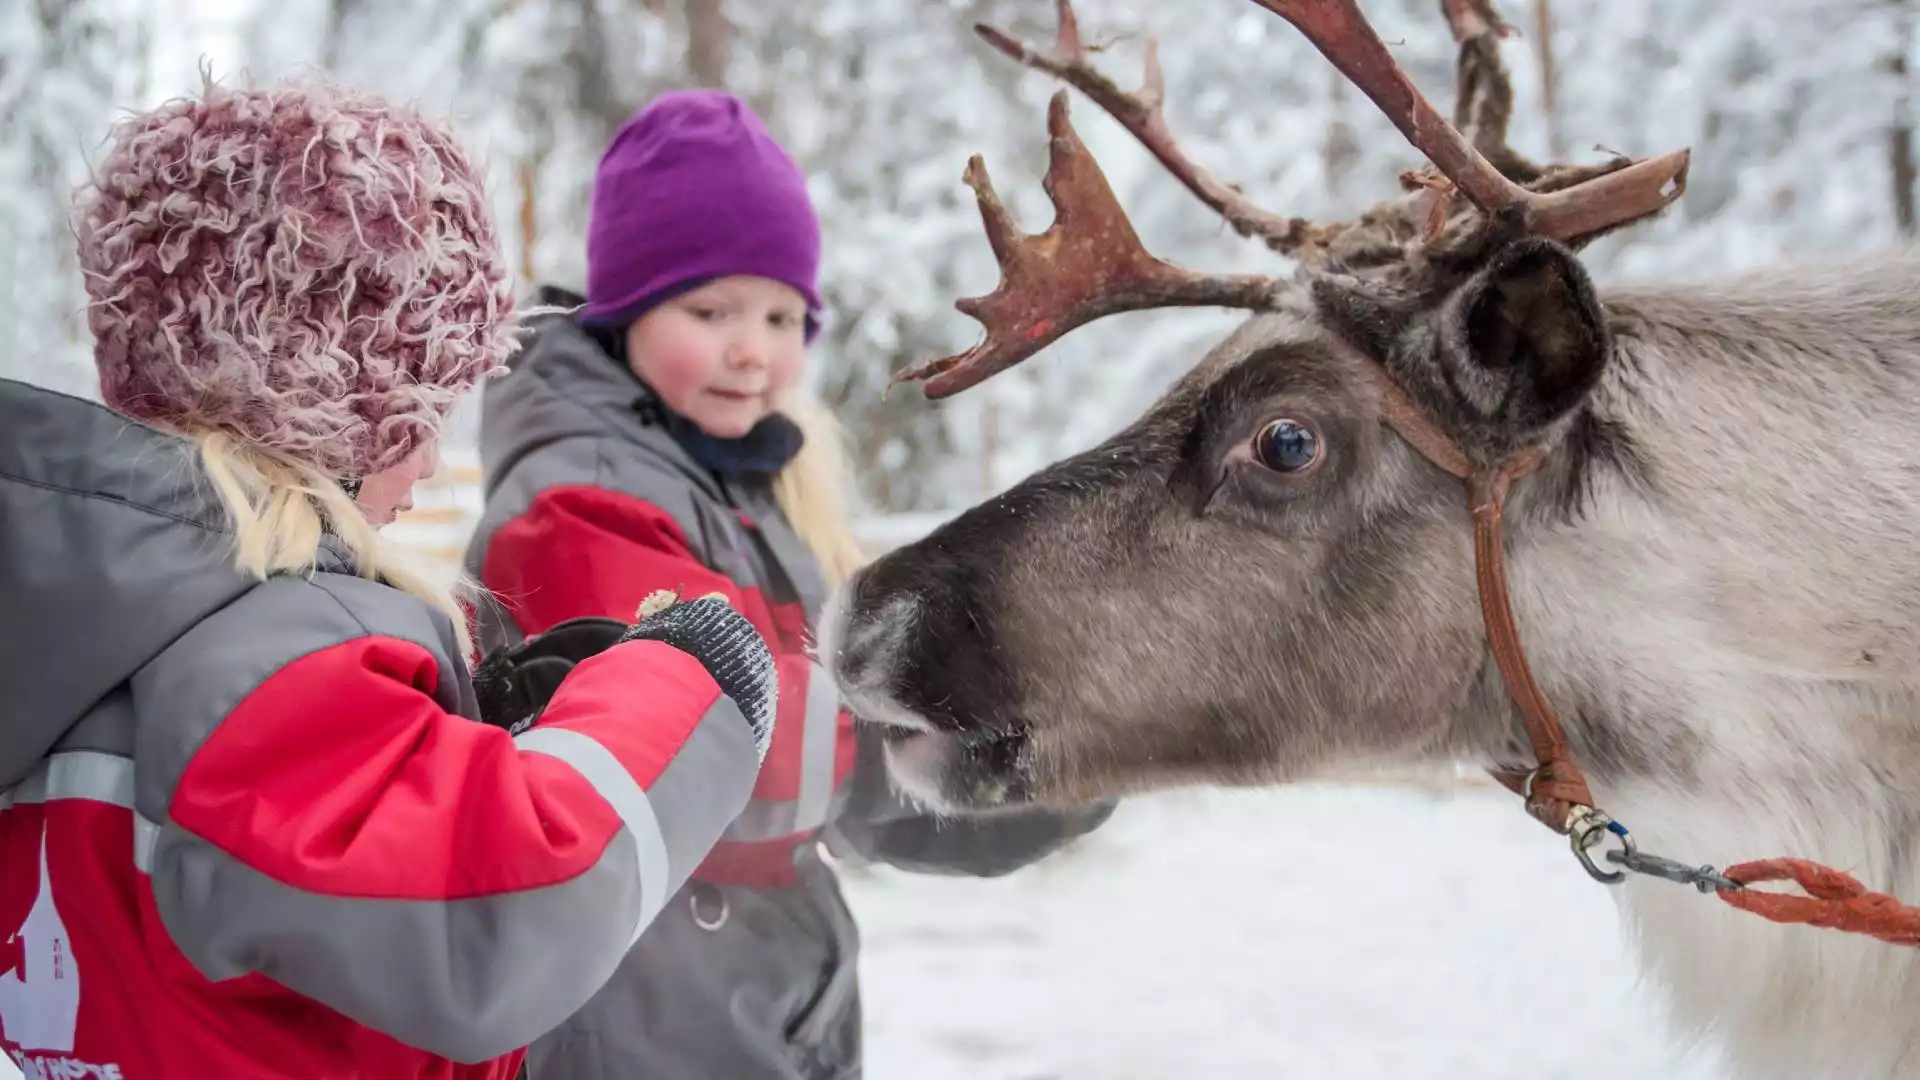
<point x="956" y="772"/>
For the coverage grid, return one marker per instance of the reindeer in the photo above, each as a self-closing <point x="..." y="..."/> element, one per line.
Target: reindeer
<point x="1435" y="482"/>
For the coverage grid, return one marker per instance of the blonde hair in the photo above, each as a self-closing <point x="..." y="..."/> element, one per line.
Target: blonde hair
<point x="280" y="510"/>
<point x="812" y="489"/>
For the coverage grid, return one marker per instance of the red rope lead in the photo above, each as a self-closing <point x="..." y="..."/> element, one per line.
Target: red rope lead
<point x="1835" y="901"/>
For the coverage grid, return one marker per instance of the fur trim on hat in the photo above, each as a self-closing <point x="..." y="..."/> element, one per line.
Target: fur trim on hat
<point x="307" y="266"/>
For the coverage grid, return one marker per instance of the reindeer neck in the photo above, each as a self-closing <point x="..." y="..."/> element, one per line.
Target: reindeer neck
<point x="1714" y="575"/>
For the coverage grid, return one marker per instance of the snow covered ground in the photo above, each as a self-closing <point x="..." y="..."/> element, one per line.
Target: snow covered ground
<point x="1345" y="932"/>
<point x="1348" y="932"/>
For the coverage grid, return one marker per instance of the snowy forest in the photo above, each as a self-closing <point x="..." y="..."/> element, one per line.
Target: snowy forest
<point x="1797" y="112"/>
<point x="1197" y="938"/>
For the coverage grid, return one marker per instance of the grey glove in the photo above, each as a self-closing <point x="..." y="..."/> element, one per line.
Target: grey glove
<point x="726" y="644"/>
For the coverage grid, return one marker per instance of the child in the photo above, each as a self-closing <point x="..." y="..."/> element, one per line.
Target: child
<point x="249" y="825"/>
<point x="657" y="441"/>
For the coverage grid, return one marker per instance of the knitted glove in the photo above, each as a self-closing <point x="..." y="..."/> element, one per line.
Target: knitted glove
<point x="725" y="643"/>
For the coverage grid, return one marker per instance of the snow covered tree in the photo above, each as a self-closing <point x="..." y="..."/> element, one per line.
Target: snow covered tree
<point x="64" y="64"/>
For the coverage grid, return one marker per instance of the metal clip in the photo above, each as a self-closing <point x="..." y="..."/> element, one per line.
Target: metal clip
<point x="1705" y="878"/>
<point x="1586" y="828"/>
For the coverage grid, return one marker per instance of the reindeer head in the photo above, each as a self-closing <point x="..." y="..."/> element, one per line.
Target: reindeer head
<point x="1271" y="570"/>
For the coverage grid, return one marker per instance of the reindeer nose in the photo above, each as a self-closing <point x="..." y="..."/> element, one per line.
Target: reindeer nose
<point x="869" y="639"/>
<point x="846" y="646"/>
<point x="864" y="633"/>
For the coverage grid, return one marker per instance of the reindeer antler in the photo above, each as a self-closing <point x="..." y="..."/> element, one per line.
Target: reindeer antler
<point x="1087" y="265"/>
<point x="1483" y="93"/>
<point x="1342" y="34"/>
<point x="1090" y="263"/>
<point x="1141" y="113"/>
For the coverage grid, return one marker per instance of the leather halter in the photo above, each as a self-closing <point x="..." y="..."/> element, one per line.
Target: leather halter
<point x="1555" y="790"/>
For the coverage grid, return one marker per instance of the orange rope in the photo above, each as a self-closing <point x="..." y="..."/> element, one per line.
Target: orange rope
<point x="1835" y="901"/>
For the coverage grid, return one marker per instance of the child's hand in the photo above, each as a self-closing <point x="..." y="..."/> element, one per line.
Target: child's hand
<point x="725" y="643"/>
<point x="513" y="684"/>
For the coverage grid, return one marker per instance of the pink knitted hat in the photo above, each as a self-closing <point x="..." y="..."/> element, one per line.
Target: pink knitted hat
<point x="306" y="266"/>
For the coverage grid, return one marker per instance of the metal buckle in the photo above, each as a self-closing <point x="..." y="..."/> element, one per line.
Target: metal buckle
<point x="714" y="899"/>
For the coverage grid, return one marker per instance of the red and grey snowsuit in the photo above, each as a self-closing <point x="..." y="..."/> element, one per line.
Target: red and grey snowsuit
<point x="251" y="828"/>
<point x="750" y="972"/>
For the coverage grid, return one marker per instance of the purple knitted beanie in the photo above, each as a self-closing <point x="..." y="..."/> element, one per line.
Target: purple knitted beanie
<point x="692" y="187"/>
<point x="305" y="266"/>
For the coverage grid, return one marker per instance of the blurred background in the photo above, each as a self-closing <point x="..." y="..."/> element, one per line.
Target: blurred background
<point x="1310" y="932"/>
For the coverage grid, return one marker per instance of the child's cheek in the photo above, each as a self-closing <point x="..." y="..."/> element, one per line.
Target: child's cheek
<point x="677" y="369"/>
<point x="786" y="371"/>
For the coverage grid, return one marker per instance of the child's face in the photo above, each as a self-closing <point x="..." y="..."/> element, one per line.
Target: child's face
<point x="725" y="354"/>
<point x="387" y="494"/>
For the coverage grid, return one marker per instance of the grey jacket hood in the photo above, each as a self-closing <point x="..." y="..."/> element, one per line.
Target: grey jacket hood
<point x="112" y="545"/>
<point x="563" y="385"/>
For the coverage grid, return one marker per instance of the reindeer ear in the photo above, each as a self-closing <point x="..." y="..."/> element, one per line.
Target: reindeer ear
<point x="1523" y="340"/>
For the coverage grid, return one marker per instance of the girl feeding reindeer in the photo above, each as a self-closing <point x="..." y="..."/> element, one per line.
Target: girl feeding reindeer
<point x="658" y="439"/>
<point x="249" y="823"/>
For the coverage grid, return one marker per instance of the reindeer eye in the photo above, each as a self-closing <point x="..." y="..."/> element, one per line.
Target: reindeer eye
<point x="1287" y="446"/>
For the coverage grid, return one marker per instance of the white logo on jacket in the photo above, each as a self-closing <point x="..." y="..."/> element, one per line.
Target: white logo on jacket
<point x="40" y="996"/>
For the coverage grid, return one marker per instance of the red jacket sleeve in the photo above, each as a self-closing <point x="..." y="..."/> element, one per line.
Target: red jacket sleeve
<point x="331" y="826"/>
